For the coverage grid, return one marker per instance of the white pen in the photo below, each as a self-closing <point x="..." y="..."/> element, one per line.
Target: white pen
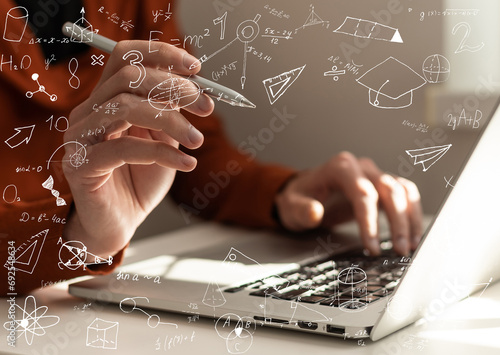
<point x="217" y="91"/>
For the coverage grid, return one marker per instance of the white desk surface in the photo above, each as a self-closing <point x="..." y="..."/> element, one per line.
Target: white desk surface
<point x="469" y="327"/>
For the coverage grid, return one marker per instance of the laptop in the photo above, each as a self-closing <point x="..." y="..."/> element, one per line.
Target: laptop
<point x="336" y="290"/>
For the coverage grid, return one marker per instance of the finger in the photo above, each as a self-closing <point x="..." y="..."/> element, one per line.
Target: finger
<point x="414" y="211"/>
<point x="132" y="112"/>
<point x="152" y="54"/>
<point x="303" y="212"/>
<point x="162" y="90"/>
<point x="338" y="209"/>
<point x="393" y="198"/>
<point x="345" y="170"/>
<point x="104" y="157"/>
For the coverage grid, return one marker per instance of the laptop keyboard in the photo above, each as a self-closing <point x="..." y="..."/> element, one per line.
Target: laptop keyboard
<point x="349" y="280"/>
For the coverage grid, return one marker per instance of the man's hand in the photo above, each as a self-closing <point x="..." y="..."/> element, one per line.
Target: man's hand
<point x="347" y="187"/>
<point x="132" y="165"/>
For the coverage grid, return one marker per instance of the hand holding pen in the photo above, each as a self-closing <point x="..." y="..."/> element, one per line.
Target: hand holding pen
<point x="132" y="163"/>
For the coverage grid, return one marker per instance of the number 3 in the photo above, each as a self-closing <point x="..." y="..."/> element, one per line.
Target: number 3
<point x="136" y="61"/>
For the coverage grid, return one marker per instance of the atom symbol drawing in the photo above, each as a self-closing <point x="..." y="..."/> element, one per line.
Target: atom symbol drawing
<point x="33" y="321"/>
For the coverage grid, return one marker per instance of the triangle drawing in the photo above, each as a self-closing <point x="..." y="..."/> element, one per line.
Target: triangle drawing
<point x="397" y="37"/>
<point x="277" y="85"/>
<point x="27" y="260"/>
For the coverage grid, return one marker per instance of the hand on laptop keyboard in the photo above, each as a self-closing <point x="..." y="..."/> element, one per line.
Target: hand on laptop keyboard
<point x="347" y="188"/>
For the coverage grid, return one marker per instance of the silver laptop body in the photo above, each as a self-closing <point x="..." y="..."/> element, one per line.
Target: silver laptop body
<point x="458" y="255"/>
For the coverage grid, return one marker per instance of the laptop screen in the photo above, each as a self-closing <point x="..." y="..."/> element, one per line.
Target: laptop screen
<point x="409" y="85"/>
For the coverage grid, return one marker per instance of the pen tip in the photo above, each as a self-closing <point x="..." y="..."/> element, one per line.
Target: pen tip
<point x="247" y="103"/>
<point x="196" y="64"/>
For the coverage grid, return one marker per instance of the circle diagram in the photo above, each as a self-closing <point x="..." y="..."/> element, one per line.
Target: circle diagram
<point x="436" y="68"/>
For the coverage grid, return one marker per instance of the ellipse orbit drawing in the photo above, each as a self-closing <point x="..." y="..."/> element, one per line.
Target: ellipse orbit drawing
<point x="167" y="95"/>
<point x="33" y="321"/>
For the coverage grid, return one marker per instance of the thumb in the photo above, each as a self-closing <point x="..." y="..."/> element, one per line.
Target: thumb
<point x="305" y="212"/>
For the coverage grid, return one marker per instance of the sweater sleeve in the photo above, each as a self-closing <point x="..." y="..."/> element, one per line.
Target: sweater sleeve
<point x="226" y="185"/>
<point x="36" y="198"/>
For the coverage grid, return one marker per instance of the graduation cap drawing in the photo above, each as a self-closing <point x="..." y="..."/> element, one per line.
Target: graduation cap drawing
<point x="428" y="156"/>
<point x="391" y="84"/>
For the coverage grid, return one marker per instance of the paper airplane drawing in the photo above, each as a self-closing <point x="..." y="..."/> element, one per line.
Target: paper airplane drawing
<point x="428" y="156"/>
<point x="28" y="253"/>
<point x="369" y="29"/>
<point x="276" y="86"/>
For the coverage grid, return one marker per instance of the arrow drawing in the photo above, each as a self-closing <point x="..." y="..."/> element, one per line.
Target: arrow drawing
<point x="25" y="137"/>
<point x="428" y="156"/>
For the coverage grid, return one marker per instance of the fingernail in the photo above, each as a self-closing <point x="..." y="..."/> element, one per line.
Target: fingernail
<point x="188" y="161"/>
<point x="190" y="62"/>
<point x="205" y="103"/>
<point x="374" y="247"/>
<point x="402" y="244"/>
<point x="194" y="135"/>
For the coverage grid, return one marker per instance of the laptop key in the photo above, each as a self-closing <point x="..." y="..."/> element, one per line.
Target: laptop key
<point x="290" y="295"/>
<point x="235" y="289"/>
<point x="311" y="299"/>
<point x="262" y="292"/>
